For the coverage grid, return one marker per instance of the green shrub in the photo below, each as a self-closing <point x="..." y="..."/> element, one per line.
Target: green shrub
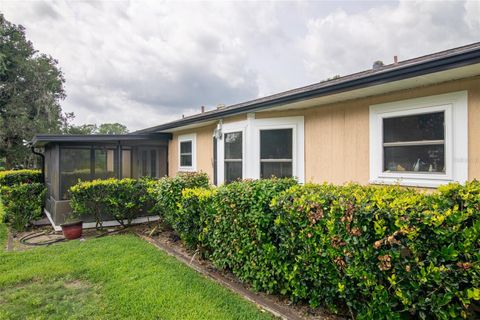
<point x="238" y="233"/>
<point x="122" y="200"/>
<point x="384" y="252"/>
<point x="166" y="193"/>
<point x="22" y="203"/>
<point x="14" y="177"/>
<point x="195" y="207"/>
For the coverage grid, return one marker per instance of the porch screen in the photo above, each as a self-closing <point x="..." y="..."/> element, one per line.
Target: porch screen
<point x="414" y="143"/>
<point x="85" y="164"/>
<point x="276" y="153"/>
<point x="75" y="165"/>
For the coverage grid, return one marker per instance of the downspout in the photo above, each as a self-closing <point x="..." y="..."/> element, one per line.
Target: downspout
<point x="42" y="156"/>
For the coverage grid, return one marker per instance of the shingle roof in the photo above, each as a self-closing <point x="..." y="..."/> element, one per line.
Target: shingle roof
<point x="435" y="62"/>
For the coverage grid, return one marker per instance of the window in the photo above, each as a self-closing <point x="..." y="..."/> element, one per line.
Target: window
<point x="186" y="154"/>
<point x="276" y="153"/>
<point x="233" y="156"/>
<point x="261" y="148"/>
<point x="419" y="142"/>
<point x="187" y="157"/>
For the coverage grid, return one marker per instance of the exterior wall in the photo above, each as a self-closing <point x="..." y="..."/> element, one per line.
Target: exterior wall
<point x="337" y="135"/>
<point x="204" y="144"/>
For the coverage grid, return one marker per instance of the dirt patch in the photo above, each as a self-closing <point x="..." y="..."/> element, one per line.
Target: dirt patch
<point x="76" y="284"/>
<point x="168" y="241"/>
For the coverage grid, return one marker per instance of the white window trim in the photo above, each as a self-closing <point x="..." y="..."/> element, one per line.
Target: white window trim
<point x="455" y="106"/>
<point x="251" y="145"/>
<point x="240" y="126"/>
<point x="184" y="138"/>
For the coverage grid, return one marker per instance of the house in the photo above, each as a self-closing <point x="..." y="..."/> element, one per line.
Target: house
<point x="414" y="122"/>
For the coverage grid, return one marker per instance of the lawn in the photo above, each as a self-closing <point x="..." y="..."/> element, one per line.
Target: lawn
<point x="115" y="277"/>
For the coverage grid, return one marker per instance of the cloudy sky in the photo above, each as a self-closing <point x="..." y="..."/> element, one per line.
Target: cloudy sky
<point x="143" y="63"/>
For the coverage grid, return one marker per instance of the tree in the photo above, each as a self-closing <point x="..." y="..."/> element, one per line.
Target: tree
<point x="112" y="128"/>
<point x="31" y="88"/>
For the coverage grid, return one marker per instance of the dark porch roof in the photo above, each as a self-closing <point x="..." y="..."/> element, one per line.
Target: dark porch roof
<point x="40" y="140"/>
<point x="432" y="63"/>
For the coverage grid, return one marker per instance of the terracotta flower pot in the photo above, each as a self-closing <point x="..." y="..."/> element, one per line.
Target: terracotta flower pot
<point x="72" y="230"/>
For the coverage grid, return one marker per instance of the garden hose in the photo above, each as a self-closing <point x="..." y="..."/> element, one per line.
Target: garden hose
<point x="25" y="238"/>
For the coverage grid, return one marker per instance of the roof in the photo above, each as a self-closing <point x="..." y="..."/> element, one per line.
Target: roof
<point x="41" y="140"/>
<point x="436" y="62"/>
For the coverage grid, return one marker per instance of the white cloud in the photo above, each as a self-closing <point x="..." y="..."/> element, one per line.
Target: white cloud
<point x="342" y="43"/>
<point x="147" y="62"/>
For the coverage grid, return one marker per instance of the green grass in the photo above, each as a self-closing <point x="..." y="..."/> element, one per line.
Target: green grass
<point x="116" y="277"/>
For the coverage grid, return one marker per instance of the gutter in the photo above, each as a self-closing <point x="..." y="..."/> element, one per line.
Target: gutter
<point x="42" y="156"/>
<point x="400" y="73"/>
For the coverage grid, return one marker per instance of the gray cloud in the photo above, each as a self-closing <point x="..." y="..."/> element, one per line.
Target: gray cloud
<point x="145" y="62"/>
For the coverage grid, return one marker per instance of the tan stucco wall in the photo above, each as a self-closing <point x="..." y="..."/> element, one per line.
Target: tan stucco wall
<point x="204" y="145"/>
<point x="336" y="135"/>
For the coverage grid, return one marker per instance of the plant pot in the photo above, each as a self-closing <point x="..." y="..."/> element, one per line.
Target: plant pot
<point x="72" y="230"/>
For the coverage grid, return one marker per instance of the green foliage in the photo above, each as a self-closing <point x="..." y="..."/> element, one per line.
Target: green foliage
<point x="124" y="200"/>
<point x="380" y="252"/>
<point x="14" y="177"/>
<point x="238" y="232"/>
<point x="195" y="207"/>
<point x="384" y="252"/>
<point x="22" y="203"/>
<point x="112" y="128"/>
<point x="166" y="193"/>
<point x="31" y="91"/>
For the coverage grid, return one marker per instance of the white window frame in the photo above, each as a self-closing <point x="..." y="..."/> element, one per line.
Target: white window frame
<point x="185" y="138"/>
<point x="454" y="105"/>
<point x="251" y="145"/>
<point x="240" y="126"/>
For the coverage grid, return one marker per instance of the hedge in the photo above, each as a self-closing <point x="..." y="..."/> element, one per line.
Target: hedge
<point x="14" y="177"/>
<point x="378" y="252"/>
<point x="22" y="203"/>
<point x="166" y="193"/>
<point x="238" y="233"/>
<point x="123" y="200"/>
<point x="195" y="208"/>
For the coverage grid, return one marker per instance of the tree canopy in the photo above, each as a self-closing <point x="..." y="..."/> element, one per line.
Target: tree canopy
<point x="31" y="88"/>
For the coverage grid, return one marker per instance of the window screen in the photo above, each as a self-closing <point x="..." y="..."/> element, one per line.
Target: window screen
<point x="233" y="156"/>
<point x="276" y="153"/>
<point x="414" y="143"/>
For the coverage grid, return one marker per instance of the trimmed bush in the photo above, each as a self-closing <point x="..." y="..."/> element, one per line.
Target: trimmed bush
<point x="194" y="209"/>
<point x="122" y="200"/>
<point x="14" y="177"/>
<point x="166" y="193"/>
<point x="238" y="233"/>
<point x="22" y="203"/>
<point x="383" y="252"/>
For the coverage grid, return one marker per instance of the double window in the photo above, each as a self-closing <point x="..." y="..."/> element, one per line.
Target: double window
<point x="261" y="148"/>
<point x="419" y="142"/>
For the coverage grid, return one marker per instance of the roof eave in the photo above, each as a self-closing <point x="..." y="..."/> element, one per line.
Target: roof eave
<point x="401" y="73"/>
